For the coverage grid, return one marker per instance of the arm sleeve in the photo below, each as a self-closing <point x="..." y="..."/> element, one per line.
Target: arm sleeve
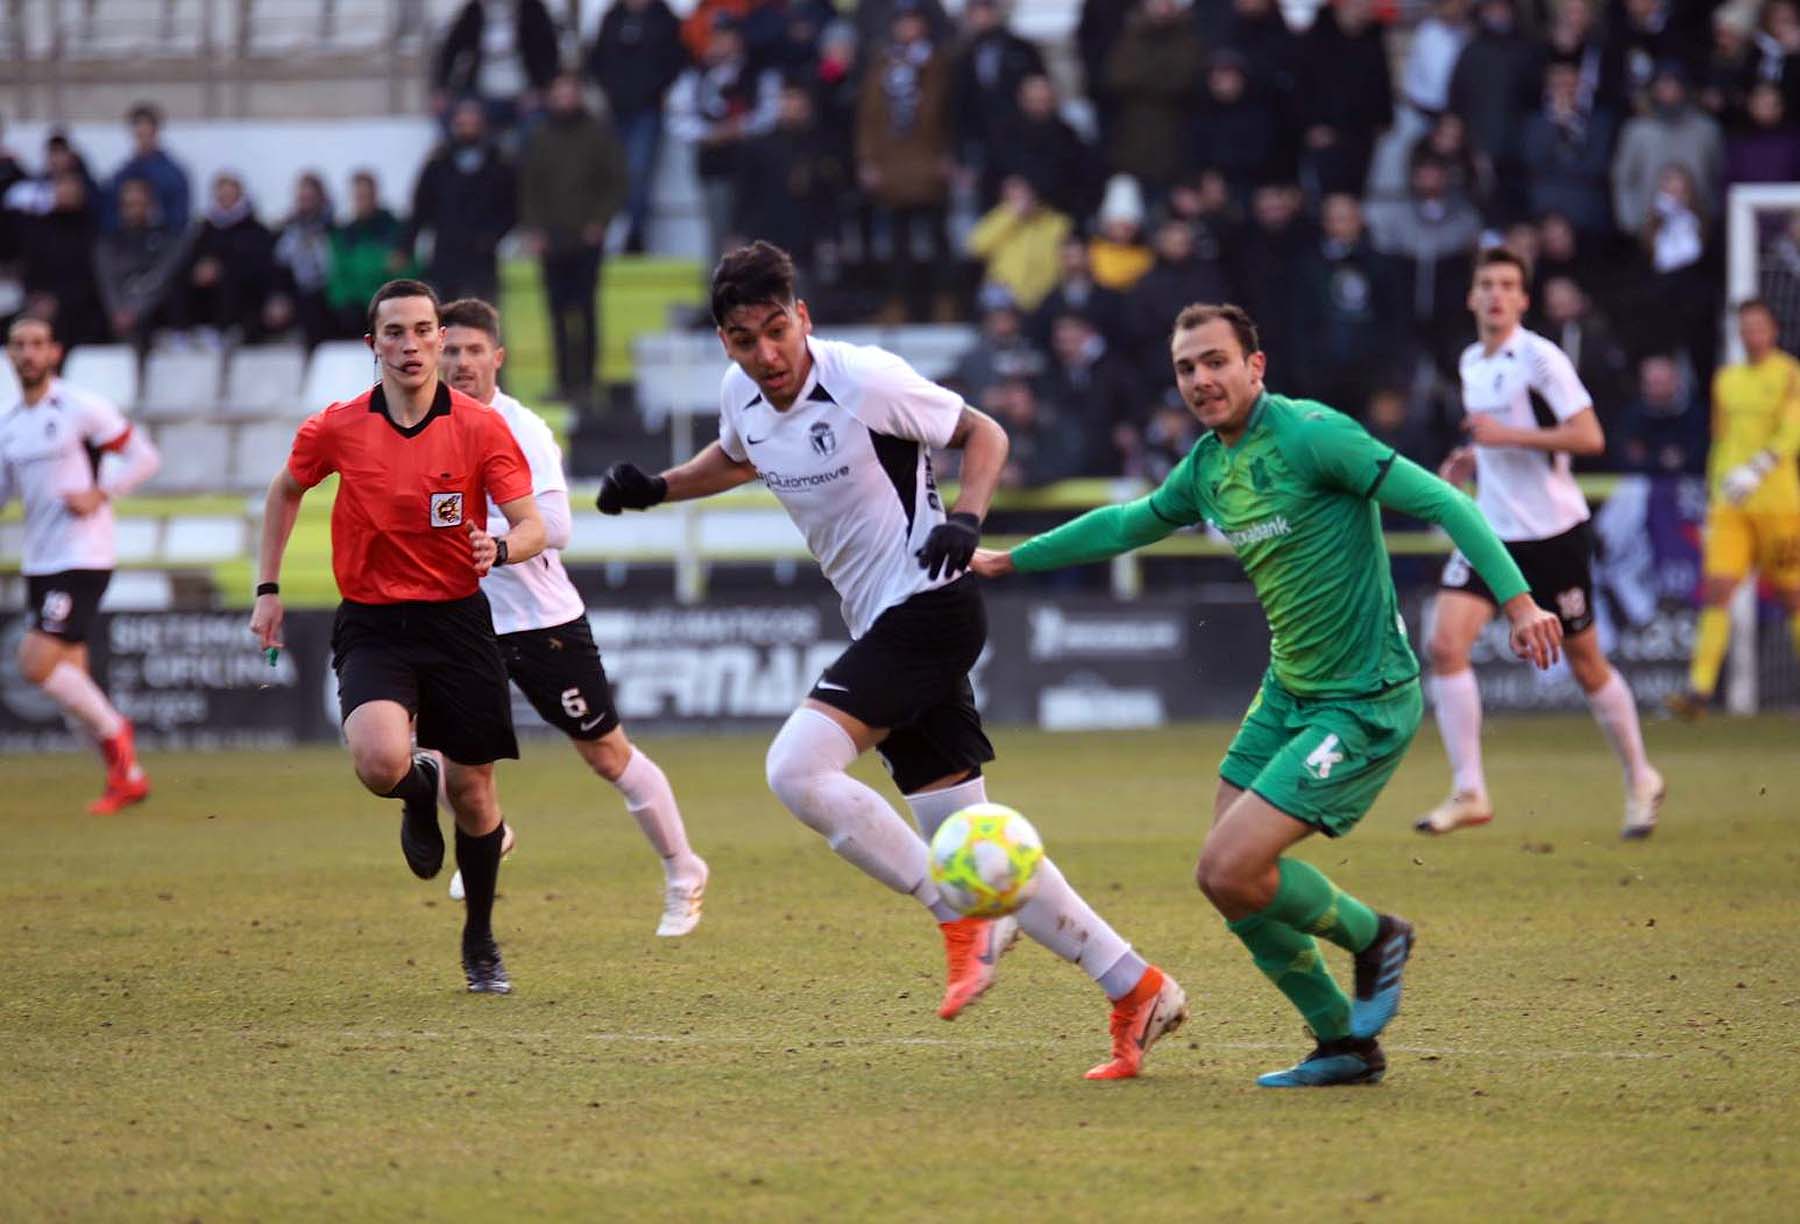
<point x="1412" y="490"/>
<point x="1785" y="441"/>
<point x="542" y="454"/>
<point x="504" y="473"/>
<point x="139" y="461"/>
<point x="1552" y="375"/>
<point x="899" y="401"/>
<point x="559" y="520"/>
<point x="311" y="460"/>
<point x="1112" y="530"/>
<point x="730" y="441"/>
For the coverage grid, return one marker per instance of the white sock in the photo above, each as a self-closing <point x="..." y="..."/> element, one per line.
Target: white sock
<point x="80" y="698"/>
<point x="651" y="802"/>
<point x="1058" y="918"/>
<point x="932" y="808"/>
<point x="1456" y="699"/>
<point x="1616" y="712"/>
<point x="805" y="769"/>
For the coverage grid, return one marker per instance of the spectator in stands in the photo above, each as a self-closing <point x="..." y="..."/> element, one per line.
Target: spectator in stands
<point x="1766" y="149"/>
<point x="1095" y="394"/>
<point x="1150" y="74"/>
<point x="1777" y="45"/>
<point x="1169" y="435"/>
<point x="1345" y="96"/>
<point x="990" y="65"/>
<point x="1040" y="145"/>
<point x="1076" y="292"/>
<point x="1678" y="287"/>
<point x="230" y="272"/>
<point x="12" y="170"/>
<point x="1351" y="314"/>
<point x="1662" y="430"/>
<point x="1496" y="84"/>
<point x="466" y="199"/>
<point x="137" y="266"/>
<point x="365" y="254"/>
<point x="148" y="161"/>
<point x="1584" y="336"/>
<point x="875" y="21"/>
<point x="1729" y="71"/>
<point x="1238" y="129"/>
<point x="1647" y="35"/>
<point x="303" y="266"/>
<point x="1117" y="253"/>
<point x="1432" y="233"/>
<point x="502" y="53"/>
<point x="1566" y="150"/>
<point x="636" y="58"/>
<point x="1431" y="57"/>
<point x="1675" y="131"/>
<point x="903" y="150"/>
<point x="1179" y="278"/>
<point x="790" y="182"/>
<point x="57" y="264"/>
<point x="1575" y="38"/>
<point x="35" y="195"/>
<point x="571" y="182"/>
<point x="1471" y="173"/>
<point x="1017" y="242"/>
<point x="1001" y="350"/>
<point x="1275" y="247"/>
<point x="719" y="105"/>
<point x="1043" y="449"/>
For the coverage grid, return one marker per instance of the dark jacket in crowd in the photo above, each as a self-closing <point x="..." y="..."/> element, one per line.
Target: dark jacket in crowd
<point x="1104" y="308"/>
<point x="458" y="67"/>
<point x="1345" y="85"/>
<point x="245" y="251"/>
<point x="167" y="179"/>
<point x="466" y="198"/>
<point x="1497" y="83"/>
<point x="1160" y="295"/>
<point x="1054" y="159"/>
<point x="636" y="57"/>
<point x="1152" y="73"/>
<point x="136" y="269"/>
<point x="985" y="90"/>
<point x="1244" y="140"/>
<point x="571" y="178"/>
<point x="1353" y="317"/>
<point x="58" y="263"/>
<point x="1269" y="269"/>
<point x="1566" y="165"/>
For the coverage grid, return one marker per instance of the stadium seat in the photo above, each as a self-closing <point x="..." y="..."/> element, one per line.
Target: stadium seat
<point x="258" y="452"/>
<point x="265" y="381"/>
<point x="339" y="370"/>
<point x="677" y="373"/>
<point x="194" y="457"/>
<point x="181" y="383"/>
<point x="109" y="370"/>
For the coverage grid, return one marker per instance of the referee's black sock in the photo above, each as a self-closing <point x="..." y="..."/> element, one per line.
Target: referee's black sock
<point x="479" y="860"/>
<point x="418" y="786"/>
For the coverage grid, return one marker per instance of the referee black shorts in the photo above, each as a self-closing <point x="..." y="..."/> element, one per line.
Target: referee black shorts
<point x="559" y="671"/>
<point x="440" y="661"/>
<point x="1559" y="571"/>
<point x="909" y="674"/>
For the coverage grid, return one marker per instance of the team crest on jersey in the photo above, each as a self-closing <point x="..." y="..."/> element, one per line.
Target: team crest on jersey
<point x="446" y="509"/>
<point x="1259" y="475"/>
<point x="824" y="442"/>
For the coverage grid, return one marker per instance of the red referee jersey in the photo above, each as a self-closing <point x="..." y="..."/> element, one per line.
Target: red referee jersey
<point x="399" y="528"/>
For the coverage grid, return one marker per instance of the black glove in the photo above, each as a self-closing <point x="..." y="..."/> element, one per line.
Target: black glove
<point x="628" y="487"/>
<point x="950" y="546"/>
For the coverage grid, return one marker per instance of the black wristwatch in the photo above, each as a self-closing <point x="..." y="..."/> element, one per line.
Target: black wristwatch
<point x="268" y="588"/>
<point x="499" y="553"/>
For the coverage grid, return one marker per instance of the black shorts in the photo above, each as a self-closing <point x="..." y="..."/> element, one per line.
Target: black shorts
<point x="559" y="671"/>
<point x="63" y="605"/>
<point x="910" y="674"/>
<point x="1559" y="570"/>
<point x="440" y="661"/>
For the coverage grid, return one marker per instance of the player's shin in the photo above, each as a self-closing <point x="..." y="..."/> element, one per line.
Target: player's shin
<point x="1456" y="701"/>
<point x="805" y="769"/>
<point x="1309" y="902"/>
<point x="75" y="691"/>
<point x="651" y="801"/>
<point x="1712" y="634"/>
<point x="478" y="858"/>
<point x="1615" y="710"/>
<point x="1291" y="960"/>
<point x="1058" y="918"/>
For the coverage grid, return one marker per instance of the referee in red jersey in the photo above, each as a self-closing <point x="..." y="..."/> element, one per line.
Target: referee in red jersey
<point x="416" y="462"/>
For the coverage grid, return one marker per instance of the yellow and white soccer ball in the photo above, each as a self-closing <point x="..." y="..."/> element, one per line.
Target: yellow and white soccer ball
<point x="985" y="859"/>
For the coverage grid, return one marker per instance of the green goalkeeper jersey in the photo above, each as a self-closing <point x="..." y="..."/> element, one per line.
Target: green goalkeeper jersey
<point x="1296" y="497"/>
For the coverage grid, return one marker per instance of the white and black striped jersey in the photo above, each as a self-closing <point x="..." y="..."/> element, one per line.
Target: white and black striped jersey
<point x="534" y="594"/>
<point x="1527" y="383"/>
<point x="850" y="461"/>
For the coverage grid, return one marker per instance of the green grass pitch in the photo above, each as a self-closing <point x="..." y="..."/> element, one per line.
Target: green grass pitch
<point x="235" y="1003"/>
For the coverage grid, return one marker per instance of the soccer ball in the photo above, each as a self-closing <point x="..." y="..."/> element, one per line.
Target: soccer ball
<point x="984" y="860"/>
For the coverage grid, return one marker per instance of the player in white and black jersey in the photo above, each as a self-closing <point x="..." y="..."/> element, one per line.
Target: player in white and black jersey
<point x="53" y="440"/>
<point x="842" y="436"/>
<point x="543" y="630"/>
<point x="1527" y="412"/>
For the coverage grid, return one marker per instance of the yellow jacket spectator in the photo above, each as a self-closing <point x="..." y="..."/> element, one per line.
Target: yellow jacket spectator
<point x="1018" y="240"/>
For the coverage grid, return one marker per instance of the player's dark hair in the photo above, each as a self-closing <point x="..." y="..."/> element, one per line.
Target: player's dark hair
<point x="472" y="312"/>
<point x="149" y="111"/>
<point x="403" y="288"/>
<point x="1242" y="325"/>
<point x="755" y="275"/>
<point x="1756" y="303"/>
<point x="1496" y="256"/>
<point x="28" y="319"/>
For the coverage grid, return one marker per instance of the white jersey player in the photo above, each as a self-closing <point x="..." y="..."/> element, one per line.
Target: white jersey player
<point x="542" y="626"/>
<point x="1527" y="412"/>
<point x="842" y="435"/>
<point x="53" y="440"/>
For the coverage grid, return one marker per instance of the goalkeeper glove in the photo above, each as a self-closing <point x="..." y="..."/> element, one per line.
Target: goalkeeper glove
<point x="1742" y="481"/>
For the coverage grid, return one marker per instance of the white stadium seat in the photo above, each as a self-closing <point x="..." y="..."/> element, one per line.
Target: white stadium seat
<point x="194" y="457"/>
<point x="181" y="382"/>
<point x="339" y="370"/>
<point x="109" y="370"/>
<point x="265" y="380"/>
<point x="258" y="452"/>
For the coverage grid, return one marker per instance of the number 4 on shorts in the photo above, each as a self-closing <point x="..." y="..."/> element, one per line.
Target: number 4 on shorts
<point x="1320" y="760"/>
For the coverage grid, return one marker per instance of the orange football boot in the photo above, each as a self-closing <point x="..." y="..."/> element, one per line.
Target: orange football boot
<point x="1156" y="1007"/>
<point x="973" y="947"/>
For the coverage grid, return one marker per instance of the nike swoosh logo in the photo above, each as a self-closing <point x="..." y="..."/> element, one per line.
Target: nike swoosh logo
<point x="591" y="723"/>
<point x="826" y="684"/>
<point x="756" y="441"/>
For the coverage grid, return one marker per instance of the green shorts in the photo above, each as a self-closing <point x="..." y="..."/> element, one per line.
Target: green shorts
<point x="1322" y="760"/>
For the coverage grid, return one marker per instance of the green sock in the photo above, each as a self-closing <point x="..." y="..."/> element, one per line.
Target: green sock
<point x="1307" y="901"/>
<point x="1291" y="960"/>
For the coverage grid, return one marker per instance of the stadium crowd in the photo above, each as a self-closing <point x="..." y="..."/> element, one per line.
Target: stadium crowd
<point x="1336" y="181"/>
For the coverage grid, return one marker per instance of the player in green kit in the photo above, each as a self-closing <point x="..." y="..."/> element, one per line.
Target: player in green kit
<point x="1294" y="486"/>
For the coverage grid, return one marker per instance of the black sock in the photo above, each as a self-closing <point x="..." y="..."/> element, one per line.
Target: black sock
<point x="479" y="860"/>
<point x="419" y="785"/>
